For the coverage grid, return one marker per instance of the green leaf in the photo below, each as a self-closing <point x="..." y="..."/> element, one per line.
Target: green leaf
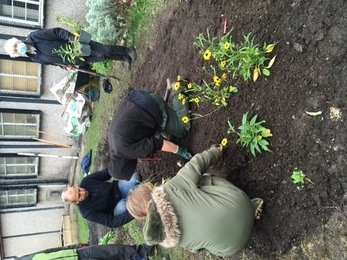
<point x="266" y="72"/>
<point x="253" y="120"/>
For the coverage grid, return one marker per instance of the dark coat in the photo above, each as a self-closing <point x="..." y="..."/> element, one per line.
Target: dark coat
<point x="99" y="252"/>
<point x="46" y="41"/>
<point x="131" y="136"/>
<point x="103" y="197"/>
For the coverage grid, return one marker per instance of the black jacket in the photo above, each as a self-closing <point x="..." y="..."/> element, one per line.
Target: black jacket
<point x="45" y="41"/>
<point x="103" y="197"/>
<point x="131" y="133"/>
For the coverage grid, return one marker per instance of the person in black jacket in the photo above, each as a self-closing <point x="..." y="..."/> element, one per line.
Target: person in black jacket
<point x="101" y="201"/>
<point x="40" y="45"/>
<point x="100" y="252"/>
<point x="132" y="132"/>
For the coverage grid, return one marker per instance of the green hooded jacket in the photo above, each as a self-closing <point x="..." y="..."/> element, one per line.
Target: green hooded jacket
<point x="195" y="210"/>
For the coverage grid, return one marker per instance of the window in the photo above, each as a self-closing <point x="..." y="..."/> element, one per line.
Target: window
<point x="20" y="77"/>
<point x="18" y="166"/>
<point x="19" y="124"/>
<point x="15" y="197"/>
<point x="23" y="12"/>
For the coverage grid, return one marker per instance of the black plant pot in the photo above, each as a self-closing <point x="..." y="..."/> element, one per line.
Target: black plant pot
<point x="85" y="37"/>
<point x="85" y="49"/>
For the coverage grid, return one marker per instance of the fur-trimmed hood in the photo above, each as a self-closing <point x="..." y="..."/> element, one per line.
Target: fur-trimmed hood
<point x="161" y="222"/>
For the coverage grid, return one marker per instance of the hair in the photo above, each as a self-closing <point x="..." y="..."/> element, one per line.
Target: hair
<point x="138" y="199"/>
<point x="10" y="47"/>
<point x="63" y="196"/>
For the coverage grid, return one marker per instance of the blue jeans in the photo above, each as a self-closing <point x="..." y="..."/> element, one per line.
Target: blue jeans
<point x="125" y="187"/>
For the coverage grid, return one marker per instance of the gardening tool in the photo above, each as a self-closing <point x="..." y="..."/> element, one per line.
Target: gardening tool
<point x="148" y="159"/>
<point x="50" y="155"/>
<point x="73" y="67"/>
<point x="167" y="91"/>
<point x="53" y="143"/>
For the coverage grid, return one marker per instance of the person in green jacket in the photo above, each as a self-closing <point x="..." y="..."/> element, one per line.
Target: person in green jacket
<point x="99" y="252"/>
<point x="195" y="210"/>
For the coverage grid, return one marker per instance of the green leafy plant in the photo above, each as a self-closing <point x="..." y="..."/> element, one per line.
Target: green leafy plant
<point x="245" y="59"/>
<point x="75" y="27"/>
<point x="70" y="52"/>
<point x="299" y="177"/>
<point x="217" y="92"/>
<point x="107" y="20"/>
<point x="251" y="133"/>
<point x="106" y="239"/>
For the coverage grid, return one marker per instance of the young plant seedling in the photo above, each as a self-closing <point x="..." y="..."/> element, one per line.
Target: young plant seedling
<point x="299" y="177"/>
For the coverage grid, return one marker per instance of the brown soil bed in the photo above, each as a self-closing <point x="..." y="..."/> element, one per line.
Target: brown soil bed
<point x="309" y="75"/>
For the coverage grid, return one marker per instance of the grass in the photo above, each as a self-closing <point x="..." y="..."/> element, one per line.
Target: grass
<point x="140" y="19"/>
<point x="82" y="227"/>
<point x="104" y="108"/>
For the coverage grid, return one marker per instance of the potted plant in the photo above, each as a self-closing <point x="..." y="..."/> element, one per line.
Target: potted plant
<point x="79" y="47"/>
<point x="84" y="37"/>
<point x="73" y="50"/>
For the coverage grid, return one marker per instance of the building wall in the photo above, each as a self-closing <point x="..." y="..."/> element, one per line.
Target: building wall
<point x="25" y="232"/>
<point x="30" y="229"/>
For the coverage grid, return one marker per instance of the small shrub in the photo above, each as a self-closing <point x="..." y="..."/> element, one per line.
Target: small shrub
<point x="251" y="133"/>
<point x="239" y="59"/>
<point x="106" y="239"/>
<point x="299" y="177"/>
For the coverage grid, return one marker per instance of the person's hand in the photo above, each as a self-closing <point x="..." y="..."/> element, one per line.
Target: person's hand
<point x="70" y="67"/>
<point x="221" y="147"/>
<point x="184" y="153"/>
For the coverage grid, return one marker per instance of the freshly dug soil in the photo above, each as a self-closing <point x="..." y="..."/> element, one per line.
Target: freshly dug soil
<point x="309" y="74"/>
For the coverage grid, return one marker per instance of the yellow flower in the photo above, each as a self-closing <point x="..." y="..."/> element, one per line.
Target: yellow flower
<point x="184" y="101"/>
<point x="180" y="96"/>
<point x="226" y="45"/>
<point x="224" y="76"/>
<point x="178" y="78"/>
<point x="177" y="85"/>
<point x="185" y="120"/>
<point x="207" y="55"/>
<point x="190" y="85"/>
<point x="222" y="64"/>
<point x="196" y="100"/>
<point x="224" y="142"/>
<point x="267" y="131"/>
<point x="217" y="80"/>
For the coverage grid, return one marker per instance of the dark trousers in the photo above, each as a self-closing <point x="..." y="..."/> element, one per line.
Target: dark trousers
<point x="114" y="252"/>
<point x="101" y="52"/>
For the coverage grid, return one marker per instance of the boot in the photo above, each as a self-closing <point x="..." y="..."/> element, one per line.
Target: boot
<point x="132" y="53"/>
<point x="127" y="61"/>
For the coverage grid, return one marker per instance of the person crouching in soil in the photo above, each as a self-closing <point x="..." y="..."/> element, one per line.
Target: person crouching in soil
<point x="195" y="210"/>
<point x="134" y="128"/>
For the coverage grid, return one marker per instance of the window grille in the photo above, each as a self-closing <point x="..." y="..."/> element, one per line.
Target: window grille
<point x="28" y="13"/>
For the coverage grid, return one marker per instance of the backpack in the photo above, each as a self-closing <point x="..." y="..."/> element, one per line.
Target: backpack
<point x="107" y="86"/>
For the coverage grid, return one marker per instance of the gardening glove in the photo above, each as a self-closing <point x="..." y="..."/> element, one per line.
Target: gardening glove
<point x="184" y="153"/>
<point x="219" y="146"/>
